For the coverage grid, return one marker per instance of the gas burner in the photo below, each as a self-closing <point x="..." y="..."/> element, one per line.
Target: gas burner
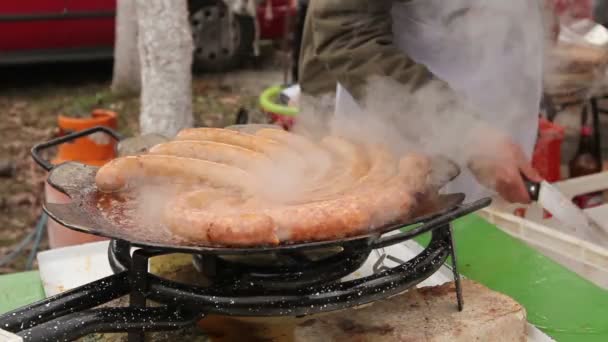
<point x="281" y="271"/>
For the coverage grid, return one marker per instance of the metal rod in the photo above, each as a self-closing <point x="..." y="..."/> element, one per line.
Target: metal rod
<point x="81" y="298"/>
<point x="595" y="113"/>
<point x="38" y="148"/>
<point x="138" y="278"/>
<point x="432" y="224"/>
<point x="457" y="281"/>
<point x="119" y="255"/>
<point x="584" y="114"/>
<point x="40" y="228"/>
<point x="79" y="324"/>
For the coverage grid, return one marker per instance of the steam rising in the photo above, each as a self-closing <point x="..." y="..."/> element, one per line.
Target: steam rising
<point x="493" y="69"/>
<point x="491" y="56"/>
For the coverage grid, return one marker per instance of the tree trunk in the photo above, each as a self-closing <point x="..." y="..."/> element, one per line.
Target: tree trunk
<point x="165" y="51"/>
<point x="127" y="76"/>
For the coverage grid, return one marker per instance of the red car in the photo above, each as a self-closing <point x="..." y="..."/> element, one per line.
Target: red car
<point x="67" y="30"/>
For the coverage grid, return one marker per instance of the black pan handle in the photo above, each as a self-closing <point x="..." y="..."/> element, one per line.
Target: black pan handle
<point x="108" y="320"/>
<point x="532" y="187"/>
<point x="38" y="148"/>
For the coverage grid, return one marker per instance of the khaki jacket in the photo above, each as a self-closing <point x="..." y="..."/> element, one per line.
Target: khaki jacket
<point x="348" y="41"/>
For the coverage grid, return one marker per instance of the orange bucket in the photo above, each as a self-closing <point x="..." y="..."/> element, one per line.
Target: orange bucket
<point x="95" y="150"/>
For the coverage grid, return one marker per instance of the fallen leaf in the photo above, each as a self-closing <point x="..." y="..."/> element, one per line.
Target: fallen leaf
<point x="22" y="198"/>
<point x="230" y="100"/>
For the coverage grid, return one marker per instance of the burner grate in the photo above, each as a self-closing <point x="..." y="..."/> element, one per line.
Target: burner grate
<point x="282" y="272"/>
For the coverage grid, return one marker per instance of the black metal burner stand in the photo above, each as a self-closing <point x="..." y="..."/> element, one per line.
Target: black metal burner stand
<point x="250" y="291"/>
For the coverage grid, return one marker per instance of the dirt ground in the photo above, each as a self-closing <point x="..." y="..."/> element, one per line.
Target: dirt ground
<point x="32" y="96"/>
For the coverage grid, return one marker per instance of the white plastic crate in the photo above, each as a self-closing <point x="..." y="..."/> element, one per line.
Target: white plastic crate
<point x="549" y="237"/>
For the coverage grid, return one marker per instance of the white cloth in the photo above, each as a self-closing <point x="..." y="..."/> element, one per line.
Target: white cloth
<point x="490" y="51"/>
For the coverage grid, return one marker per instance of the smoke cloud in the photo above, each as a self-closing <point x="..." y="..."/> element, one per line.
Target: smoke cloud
<point x="493" y="61"/>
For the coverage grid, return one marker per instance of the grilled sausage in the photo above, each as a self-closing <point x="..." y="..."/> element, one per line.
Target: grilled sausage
<point x="119" y="173"/>
<point x="349" y="165"/>
<point x="415" y="171"/>
<point x="364" y="187"/>
<point x="304" y="158"/>
<point x="187" y="217"/>
<point x="299" y="144"/>
<point x="286" y="160"/>
<point x="212" y="151"/>
<point x="248" y="141"/>
<point x="357" y="211"/>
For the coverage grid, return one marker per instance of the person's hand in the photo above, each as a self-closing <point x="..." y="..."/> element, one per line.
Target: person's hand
<point x="500" y="167"/>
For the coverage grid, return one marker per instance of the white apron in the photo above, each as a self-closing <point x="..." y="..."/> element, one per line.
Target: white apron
<point x="492" y="54"/>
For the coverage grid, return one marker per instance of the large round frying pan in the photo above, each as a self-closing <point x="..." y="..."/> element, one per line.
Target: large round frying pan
<point x="77" y="181"/>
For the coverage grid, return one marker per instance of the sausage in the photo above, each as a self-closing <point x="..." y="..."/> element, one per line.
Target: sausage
<point x="248" y="141"/>
<point x="324" y="220"/>
<point x="316" y="221"/>
<point x="351" y="214"/>
<point x="212" y="151"/>
<point x="311" y="162"/>
<point x="284" y="159"/>
<point x="415" y="171"/>
<point x="120" y="173"/>
<point x="210" y="216"/>
<point x="350" y="163"/>
<point x="410" y="182"/>
<point x="229" y="228"/>
<point x="311" y="151"/>
<point x="383" y="166"/>
<point x="364" y="188"/>
<point x="355" y="212"/>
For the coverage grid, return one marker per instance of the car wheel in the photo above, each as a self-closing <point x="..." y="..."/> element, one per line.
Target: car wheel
<point x="221" y="41"/>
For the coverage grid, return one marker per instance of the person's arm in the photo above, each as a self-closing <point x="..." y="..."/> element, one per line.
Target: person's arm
<point x="353" y="40"/>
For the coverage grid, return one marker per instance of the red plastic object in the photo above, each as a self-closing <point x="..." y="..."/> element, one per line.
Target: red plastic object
<point x="272" y="15"/>
<point x="579" y="9"/>
<point x="547" y="153"/>
<point x="285" y="121"/>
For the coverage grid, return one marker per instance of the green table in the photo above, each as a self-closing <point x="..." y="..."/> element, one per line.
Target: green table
<point x="558" y="301"/>
<point x="19" y="289"/>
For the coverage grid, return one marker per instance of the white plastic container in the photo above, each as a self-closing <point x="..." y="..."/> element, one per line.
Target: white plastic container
<point x="548" y="236"/>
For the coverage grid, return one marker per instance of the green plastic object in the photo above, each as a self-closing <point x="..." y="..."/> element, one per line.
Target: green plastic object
<point x="19" y="289"/>
<point x="267" y="101"/>
<point x="562" y="304"/>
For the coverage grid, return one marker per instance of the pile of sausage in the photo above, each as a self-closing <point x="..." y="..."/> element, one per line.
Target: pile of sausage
<point x="228" y="180"/>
